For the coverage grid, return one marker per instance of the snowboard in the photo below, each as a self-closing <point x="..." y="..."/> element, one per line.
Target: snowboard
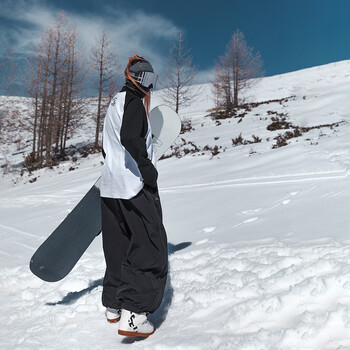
<point x="59" y="253"/>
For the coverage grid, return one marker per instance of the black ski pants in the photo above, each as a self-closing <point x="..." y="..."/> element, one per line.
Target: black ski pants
<point x="136" y="254"/>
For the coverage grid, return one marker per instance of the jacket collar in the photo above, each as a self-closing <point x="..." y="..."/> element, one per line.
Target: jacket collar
<point x="129" y="86"/>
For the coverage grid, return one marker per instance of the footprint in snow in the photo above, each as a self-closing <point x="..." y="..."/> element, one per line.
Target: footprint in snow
<point x="284" y="201"/>
<point x="250" y="220"/>
<point x="208" y="229"/>
<point x="202" y="241"/>
<point x="251" y="211"/>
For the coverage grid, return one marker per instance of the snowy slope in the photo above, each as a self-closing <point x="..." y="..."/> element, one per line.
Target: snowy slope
<point x="259" y="238"/>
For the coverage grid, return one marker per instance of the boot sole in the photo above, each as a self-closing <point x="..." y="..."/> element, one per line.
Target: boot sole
<point x="134" y="334"/>
<point x="113" y="320"/>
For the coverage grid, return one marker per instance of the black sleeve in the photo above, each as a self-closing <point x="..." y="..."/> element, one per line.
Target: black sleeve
<point x="132" y="137"/>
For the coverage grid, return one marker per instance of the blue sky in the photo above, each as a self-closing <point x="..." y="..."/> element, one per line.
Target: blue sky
<point x="290" y="35"/>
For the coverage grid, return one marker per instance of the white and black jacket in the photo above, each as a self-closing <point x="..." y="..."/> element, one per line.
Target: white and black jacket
<point x="127" y="145"/>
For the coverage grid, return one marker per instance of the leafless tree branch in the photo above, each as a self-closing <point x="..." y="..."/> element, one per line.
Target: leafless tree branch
<point x="178" y="89"/>
<point x="104" y="62"/>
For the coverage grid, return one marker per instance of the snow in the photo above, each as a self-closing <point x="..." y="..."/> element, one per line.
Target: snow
<point x="259" y="244"/>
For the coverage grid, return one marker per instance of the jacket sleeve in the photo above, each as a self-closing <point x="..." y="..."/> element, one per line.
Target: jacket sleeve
<point x="133" y="141"/>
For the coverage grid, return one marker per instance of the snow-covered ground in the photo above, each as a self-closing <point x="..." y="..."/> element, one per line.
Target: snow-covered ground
<point x="259" y="238"/>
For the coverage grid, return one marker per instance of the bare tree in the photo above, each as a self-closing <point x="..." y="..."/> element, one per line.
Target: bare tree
<point x="222" y="85"/>
<point x="180" y="76"/>
<point x="236" y="71"/>
<point x="71" y="86"/>
<point x="32" y="74"/>
<point x="54" y="80"/>
<point x="104" y="63"/>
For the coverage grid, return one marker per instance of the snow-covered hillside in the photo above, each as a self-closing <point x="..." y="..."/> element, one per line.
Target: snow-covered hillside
<point x="259" y="236"/>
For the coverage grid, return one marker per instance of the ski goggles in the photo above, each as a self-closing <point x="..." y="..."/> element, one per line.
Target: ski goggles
<point x="146" y="78"/>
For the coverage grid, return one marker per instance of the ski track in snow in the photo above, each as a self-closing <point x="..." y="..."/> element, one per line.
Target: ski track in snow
<point x="40" y="199"/>
<point x="8" y="228"/>
<point x="278" y="179"/>
<point x="298" y="297"/>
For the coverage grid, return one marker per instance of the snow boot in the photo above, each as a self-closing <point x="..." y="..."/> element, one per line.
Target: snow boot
<point x="113" y="315"/>
<point x="135" y="325"/>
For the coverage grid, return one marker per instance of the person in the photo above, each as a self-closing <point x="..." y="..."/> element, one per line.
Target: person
<point x="134" y="238"/>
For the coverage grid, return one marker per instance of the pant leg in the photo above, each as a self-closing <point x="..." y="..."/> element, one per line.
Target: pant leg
<point x="115" y="240"/>
<point x="145" y="266"/>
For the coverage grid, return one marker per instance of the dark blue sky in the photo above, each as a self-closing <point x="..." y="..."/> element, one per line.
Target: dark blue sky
<point x="290" y="35"/>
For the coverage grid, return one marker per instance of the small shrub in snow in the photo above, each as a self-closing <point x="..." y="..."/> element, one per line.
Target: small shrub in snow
<point x="251" y="152"/>
<point x="279" y="122"/>
<point x="297" y="132"/>
<point x="89" y="149"/>
<point x="238" y="140"/>
<point x="331" y="126"/>
<point x="5" y="167"/>
<point x="30" y="162"/>
<point x="242" y="110"/>
<point x="281" y="141"/>
<point x="215" y="151"/>
<point x="280" y="101"/>
<point x="188" y="147"/>
<point x="256" y="139"/>
<point x="51" y="163"/>
<point x="186" y="126"/>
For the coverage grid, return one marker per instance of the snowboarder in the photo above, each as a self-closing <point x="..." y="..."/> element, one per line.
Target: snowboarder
<point x="134" y="238"/>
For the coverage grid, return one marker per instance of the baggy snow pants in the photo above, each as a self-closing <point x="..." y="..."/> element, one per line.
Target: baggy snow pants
<point x="136" y="254"/>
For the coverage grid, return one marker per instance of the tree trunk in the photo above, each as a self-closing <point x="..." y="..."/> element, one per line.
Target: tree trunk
<point x="99" y="103"/>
